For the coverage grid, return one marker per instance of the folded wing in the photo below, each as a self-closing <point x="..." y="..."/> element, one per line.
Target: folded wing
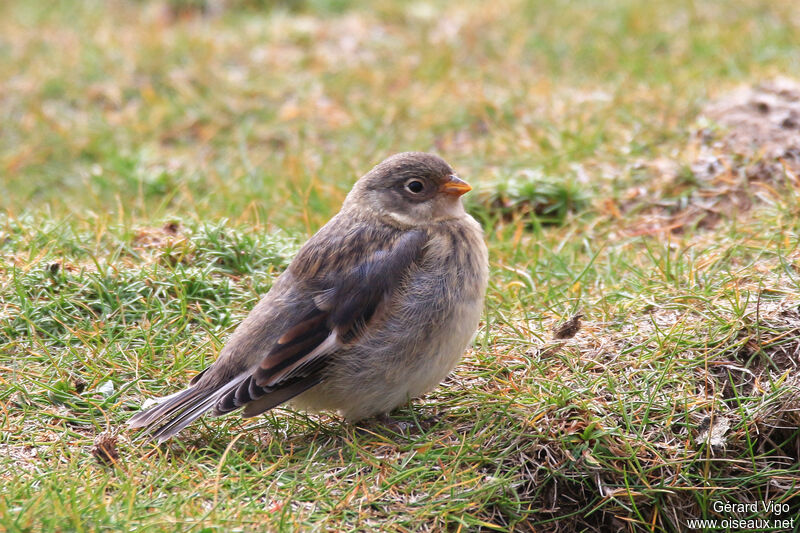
<point x="344" y="302"/>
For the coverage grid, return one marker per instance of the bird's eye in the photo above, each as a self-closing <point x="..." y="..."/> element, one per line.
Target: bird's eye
<point x="415" y="186"/>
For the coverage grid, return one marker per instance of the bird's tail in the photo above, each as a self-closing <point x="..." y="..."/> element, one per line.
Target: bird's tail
<point x="175" y="412"/>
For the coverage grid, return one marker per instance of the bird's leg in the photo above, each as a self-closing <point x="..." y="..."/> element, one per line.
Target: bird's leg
<point x="398" y="426"/>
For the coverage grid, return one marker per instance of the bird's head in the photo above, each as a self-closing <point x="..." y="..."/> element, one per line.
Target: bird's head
<point x="410" y="189"/>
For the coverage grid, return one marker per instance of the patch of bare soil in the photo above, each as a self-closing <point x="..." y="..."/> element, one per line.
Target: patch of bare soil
<point x="759" y="124"/>
<point x="152" y="237"/>
<point x="745" y="149"/>
<point x="167" y="244"/>
<point x="23" y="457"/>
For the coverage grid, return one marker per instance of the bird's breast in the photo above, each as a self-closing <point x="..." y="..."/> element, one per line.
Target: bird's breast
<point x="442" y="303"/>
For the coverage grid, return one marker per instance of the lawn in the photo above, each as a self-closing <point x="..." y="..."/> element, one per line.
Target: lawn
<point x="161" y="162"/>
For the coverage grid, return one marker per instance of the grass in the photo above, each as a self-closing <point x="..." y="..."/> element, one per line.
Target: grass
<point x="162" y="162"/>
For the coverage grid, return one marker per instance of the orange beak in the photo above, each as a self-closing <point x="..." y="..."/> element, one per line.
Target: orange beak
<point x="455" y="186"/>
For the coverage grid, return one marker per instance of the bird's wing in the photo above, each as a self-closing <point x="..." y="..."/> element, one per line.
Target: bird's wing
<point x="343" y="303"/>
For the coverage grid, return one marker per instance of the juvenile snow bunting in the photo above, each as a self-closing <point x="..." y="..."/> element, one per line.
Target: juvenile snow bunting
<point x="376" y="308"/>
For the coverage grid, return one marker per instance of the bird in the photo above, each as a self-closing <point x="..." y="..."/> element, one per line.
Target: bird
<point x="376" y="308"/>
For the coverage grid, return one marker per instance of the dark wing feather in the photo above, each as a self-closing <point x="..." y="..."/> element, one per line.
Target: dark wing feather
<point x="355" y="296"/>
<point x="344" y="303"/>
<point x="274" y="399"/>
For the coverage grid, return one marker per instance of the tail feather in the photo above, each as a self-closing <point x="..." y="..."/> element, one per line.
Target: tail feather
<point x="164" y="406"/>
<point x="186" y="417"/>
<point x="177" y="411"/>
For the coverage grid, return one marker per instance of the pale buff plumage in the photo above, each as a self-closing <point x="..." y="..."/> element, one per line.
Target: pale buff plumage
<point x="377" y="307"/>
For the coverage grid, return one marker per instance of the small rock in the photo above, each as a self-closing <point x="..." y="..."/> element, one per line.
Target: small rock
<point x="568" y="329"/>
<point x="105" y="448"/>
